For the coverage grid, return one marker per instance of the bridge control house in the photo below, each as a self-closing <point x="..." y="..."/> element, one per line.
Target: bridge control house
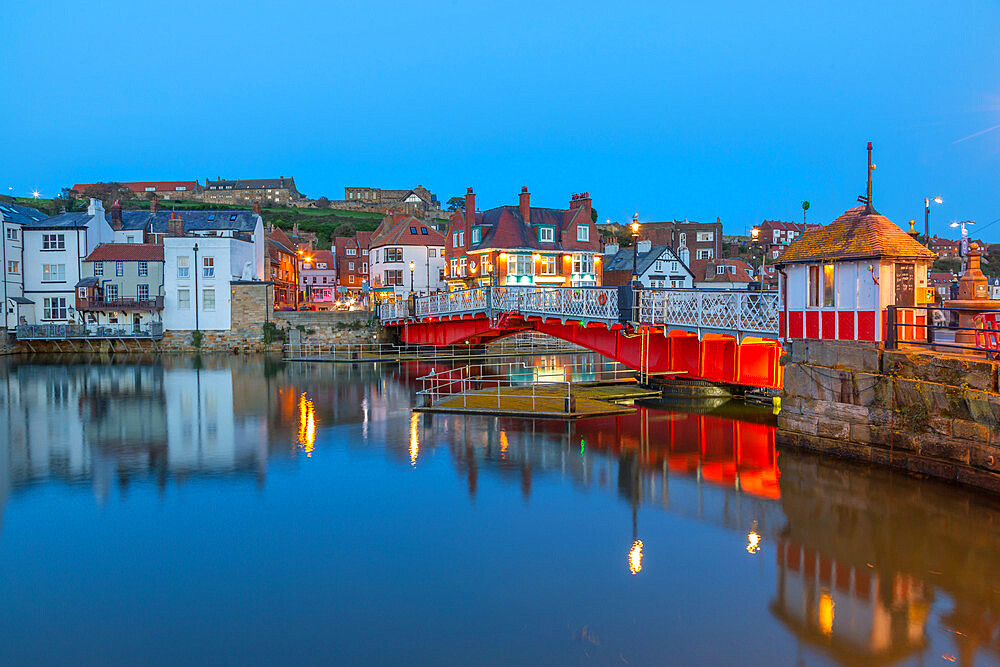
<point x="523" y="245"/>
<point x="838" y="280"/>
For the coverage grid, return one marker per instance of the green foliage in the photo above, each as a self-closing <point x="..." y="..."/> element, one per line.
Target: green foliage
<point x="196" y="337"/>
<point x="949" y="265"/>
<point x="274" y="333"/>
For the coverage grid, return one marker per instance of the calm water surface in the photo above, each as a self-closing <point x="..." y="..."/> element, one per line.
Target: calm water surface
<point x="230" y="511"/>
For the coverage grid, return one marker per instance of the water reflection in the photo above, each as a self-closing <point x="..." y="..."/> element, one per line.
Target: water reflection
<point x="867" y="565"/>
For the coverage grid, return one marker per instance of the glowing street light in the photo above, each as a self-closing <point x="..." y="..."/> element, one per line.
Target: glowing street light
<point x="411" y="276"/>
<point x="635" y="248"/>
<point x="964" y="248"/>
<point x="755" y="240"/>
<point x="927" y="215"/>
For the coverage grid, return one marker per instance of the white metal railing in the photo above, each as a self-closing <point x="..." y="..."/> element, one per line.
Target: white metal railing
<point x="452" y="303"/>
<point x="394" y="310"/>
<point x="548" y="385"/>
<point x="747" y="312"/>
<point x="585" y="303"/>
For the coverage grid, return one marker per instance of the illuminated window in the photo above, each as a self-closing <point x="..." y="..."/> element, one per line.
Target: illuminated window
<point x="821" y="287"/>
<point x="547" y="266"/>
<point x="829" y="292"/>
<point x="208" y="267"/>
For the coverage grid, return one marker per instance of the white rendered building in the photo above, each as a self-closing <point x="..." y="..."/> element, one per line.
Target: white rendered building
<point x="54" y="249"/>
<point x="12" y="301"/>
<point x="399" y="242"/>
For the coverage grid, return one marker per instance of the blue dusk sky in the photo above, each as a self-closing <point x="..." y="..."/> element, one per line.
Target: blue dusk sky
<point x="688" y="110"/>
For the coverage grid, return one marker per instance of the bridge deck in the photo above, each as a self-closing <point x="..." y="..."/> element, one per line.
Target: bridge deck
<point x="701" y="311"/>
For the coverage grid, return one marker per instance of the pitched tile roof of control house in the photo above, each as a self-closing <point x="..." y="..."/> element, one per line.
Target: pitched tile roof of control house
<point x="128" y="252"/>
<point x="194" y="221"/>
<point x="854" y="235"/>
<point x="21" y="215"/>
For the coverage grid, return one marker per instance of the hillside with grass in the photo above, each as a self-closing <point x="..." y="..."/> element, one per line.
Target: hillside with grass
<point x="325" y="223"/>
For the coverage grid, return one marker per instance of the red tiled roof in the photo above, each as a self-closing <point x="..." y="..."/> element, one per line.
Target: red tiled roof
<point x="396" y="230"/>
<point x="321" y="256"/>
<point x="140" y="186"/>
<point x="709" y="274"/>
<point x="128" y="252"/>
<point x="854" y="235"/>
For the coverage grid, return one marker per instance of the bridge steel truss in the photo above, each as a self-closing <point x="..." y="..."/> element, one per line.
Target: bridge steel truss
<point x="714" y="335"/>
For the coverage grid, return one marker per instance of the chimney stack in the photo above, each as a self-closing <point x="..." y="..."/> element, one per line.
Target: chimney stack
<point x="525" y="205"/>
<point x="256" y="207"/>
<point x="154" y="204"/>
<point x="176" y="225"/>
<point x="470" y="208"/>
<point x="116" y="216"/>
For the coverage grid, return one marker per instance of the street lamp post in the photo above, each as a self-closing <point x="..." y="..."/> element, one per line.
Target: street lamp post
<point x="411" y="277"/>
<point x="755" y="236"/>
<point x="927" y="216"/>
<point x="635" y="247"/>
<point x="963" y="248"/>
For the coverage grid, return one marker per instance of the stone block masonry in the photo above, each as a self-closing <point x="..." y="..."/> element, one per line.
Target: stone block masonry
<point x="923" y="411"/>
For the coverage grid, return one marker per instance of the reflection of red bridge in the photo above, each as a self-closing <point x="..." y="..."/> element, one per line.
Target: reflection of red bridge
<point x="727" y="340"/>
<point x="725" y="451"/>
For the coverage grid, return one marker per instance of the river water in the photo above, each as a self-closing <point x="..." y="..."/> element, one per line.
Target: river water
<point x="221" y="510"/>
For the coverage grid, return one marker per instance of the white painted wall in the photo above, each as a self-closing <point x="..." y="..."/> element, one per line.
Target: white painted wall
<point x="79" y="243"/>
<point x="424" y="266"/>
<point x="667" y="265"/>
<point x="11" y="284"/>
<point x="226" y="252"/>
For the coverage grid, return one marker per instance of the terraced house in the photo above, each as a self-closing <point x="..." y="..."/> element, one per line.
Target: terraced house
<point x="54" y="249"/>
<point x="523" y="245"/>
<point x="122" y="287"/>
<point x="12" y="220"/>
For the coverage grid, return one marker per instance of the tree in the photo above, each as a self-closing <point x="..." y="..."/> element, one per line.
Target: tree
<point x="456" y="203"/>
<point x="322" y="202"/>
<point x="108" y="193"/>
<point x="593" y="214"/>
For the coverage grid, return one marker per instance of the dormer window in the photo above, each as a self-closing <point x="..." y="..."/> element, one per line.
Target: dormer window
<point x="476" y="235"/>
<point x="546" y="234"/>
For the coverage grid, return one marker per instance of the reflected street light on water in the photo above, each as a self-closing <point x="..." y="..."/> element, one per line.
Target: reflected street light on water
<point x="753" y="539"/>
<point x="635" y="557"/>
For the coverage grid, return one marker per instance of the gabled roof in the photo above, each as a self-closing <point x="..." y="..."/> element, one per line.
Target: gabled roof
<point x="854" y="235"/>
<point x="62" y="221"/>
<point x="253" y="183"/>
<point x="622" y="260"/>
<point x="743" y="272"/>
<point x="320" y="257"/>
<point x="129" y="252"/>
<point x="405" y="230"/>
<point x="20" y="215"/>
<point x="197" y="221"/>
<point x="505" y="228"/>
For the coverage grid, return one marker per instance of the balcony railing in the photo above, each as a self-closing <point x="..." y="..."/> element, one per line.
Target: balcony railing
<point x="90" y="331"/>
<point x="155" y="303"/>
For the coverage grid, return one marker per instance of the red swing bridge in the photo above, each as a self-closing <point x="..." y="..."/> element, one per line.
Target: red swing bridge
<point x="717" y="336"/>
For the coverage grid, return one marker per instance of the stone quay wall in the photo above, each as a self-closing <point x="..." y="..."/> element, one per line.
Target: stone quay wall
<point x="924" y="411"/>
<point x="6" y="345"/>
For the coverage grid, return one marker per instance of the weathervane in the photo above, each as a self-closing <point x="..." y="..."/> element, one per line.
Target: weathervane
<point x="867" y="198"/>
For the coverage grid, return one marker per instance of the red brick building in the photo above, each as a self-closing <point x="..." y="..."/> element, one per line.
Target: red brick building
<point x="523" y="245"/>
<point x="690" y="241"/>
<point x="284" y="269"/>
<point x="352" y="262"/>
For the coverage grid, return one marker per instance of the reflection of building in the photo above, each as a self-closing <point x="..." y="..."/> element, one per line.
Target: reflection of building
<point x="856" y="612"/>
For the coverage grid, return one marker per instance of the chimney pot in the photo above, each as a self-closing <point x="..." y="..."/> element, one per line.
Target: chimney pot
<point x="154" y="204"/>
<point x="525" y="205"/>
